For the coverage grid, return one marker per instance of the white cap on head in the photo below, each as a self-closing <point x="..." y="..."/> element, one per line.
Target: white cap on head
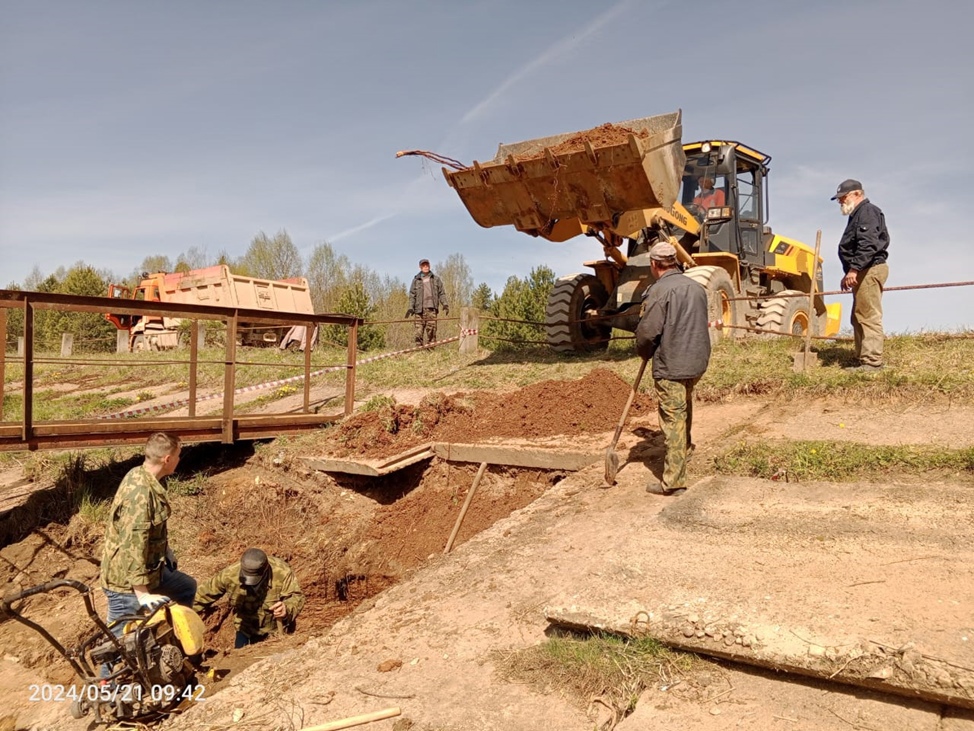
<point x="662" y="251"/>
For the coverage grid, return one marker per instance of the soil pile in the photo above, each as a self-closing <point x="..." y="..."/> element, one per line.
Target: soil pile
<point x="601" y="136"/>
<point x="589" y="405"/>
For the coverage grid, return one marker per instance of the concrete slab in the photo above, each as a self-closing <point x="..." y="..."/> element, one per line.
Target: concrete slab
<point x="500" y="454"/>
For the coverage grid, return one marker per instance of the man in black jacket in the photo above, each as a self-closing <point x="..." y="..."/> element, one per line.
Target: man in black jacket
<point x="426" y="297"/>
<point x="673" y="332"/>
<point x="862" y="251"/>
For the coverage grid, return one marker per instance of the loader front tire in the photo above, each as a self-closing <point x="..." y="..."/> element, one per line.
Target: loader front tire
<point x="568" y="317"/>
<point x="721" y="305"/>
<point x="787" y="312"/>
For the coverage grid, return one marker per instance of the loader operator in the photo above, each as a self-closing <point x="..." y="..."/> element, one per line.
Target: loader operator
<point x="262" y="592"/>
<point x="708" y="197"/>
<point x="673" y="332"/>
<point x="426" y="297"/>
<point x="138" y="569"/>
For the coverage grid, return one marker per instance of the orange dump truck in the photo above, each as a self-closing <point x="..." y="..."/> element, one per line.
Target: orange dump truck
<point x="216" y="286"/>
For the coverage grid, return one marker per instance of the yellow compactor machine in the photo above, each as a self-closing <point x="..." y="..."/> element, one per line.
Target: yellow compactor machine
<point x="629" y="185"/>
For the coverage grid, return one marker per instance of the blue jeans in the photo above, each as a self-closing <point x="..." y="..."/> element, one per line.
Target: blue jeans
<point x="175" y="584"/>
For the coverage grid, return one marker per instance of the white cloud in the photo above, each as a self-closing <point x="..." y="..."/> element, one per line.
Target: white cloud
<point x="550" y="54"/>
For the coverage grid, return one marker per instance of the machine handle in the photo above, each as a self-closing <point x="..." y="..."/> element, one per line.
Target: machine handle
<point x="40" y="589"/>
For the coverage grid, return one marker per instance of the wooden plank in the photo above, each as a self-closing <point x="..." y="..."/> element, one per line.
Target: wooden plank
<point x="99" y="432"/>
<point x="229" y="378"/>
<point x="347" y="466"/>
<point x="28" y="405"/>
<point x="3" y="355"/>
<point x="194" y="356"/>
<point x="545" y="459"/>
<point x="82" y="303"/>
<point x="308" y="329"/>
<point x="350" y="373"/>
<point x="371" y="468"/>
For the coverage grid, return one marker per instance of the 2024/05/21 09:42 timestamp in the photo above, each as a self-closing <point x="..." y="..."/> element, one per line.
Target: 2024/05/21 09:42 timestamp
<point x="126" y="693"/>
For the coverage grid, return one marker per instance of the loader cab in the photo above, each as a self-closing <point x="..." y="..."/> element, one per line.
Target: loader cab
<point x="732" y="215"/>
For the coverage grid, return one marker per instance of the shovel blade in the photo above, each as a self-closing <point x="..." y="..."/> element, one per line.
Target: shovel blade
<point x="804" y="361"/>
<point x="611" y="466"/>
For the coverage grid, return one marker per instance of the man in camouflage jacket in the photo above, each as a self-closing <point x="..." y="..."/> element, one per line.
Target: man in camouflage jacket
<point x="138" y="569"/>
<point x="262" y="592"/>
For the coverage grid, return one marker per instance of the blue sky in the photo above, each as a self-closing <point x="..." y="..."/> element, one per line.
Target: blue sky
<point x="130" y="129"/>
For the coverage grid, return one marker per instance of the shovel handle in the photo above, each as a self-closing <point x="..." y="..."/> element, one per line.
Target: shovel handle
<point x="632" y="396"/>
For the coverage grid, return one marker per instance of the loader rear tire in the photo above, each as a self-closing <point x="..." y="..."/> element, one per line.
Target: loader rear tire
<point x="568" y="324"/>
<point x="722" y="306"/>
<point x="788" y="314"/>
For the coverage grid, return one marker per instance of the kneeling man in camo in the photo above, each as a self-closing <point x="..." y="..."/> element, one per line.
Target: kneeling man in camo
<point x="263" y="594"/>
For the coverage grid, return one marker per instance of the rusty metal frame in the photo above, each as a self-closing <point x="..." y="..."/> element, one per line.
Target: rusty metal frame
<point x="227" y="427"/>
<point x="3" y="356"/>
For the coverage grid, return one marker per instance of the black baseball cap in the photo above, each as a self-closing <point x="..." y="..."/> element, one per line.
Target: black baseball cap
<point x="253" y="567"/>
<point x="424" y="261"/>
<point x="847" y="186"/>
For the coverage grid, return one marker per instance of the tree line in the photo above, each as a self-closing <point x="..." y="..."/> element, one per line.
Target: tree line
<point x="337" y="285"/>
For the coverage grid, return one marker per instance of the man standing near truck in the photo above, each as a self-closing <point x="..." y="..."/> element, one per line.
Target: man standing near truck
<point x="862" y="251"/>
<point x="673" y="332"/>
<point x="426" y="297"/>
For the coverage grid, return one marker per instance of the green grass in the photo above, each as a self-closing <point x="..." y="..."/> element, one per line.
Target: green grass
<point x="920" y="367"/>
<point x="841" y="461"/>
<point x="581" y="667"/>
<point x="92" y="511"/>
<point x="186" y="486"/>
<point x="917" y="366"/>
<point x="378" y="403"/>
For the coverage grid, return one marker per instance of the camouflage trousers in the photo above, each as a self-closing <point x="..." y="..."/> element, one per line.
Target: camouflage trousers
<point x="425" y="324"/>
<point x="867" y="314"/>
<point x="675" y="420"/>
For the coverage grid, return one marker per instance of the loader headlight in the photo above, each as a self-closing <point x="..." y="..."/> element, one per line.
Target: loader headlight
<point x="714" y="214"/>
<point x="705" y="147"/>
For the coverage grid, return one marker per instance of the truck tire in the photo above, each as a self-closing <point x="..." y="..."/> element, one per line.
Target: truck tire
<point x="787" y="314"/>
<point x="722" y="306"/>
<point x="570" y="303"/>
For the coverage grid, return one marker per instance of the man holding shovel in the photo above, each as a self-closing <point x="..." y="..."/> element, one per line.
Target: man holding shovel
<point x="673" y="332"/>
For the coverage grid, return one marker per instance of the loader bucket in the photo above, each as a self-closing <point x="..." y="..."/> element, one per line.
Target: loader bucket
<point x="591" y="175"/>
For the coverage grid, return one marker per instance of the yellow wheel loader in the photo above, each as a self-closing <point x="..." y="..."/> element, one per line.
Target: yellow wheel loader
<point x="629" y="185"/>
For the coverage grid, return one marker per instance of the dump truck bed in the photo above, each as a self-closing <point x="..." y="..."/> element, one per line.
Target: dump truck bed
<point x="592" y="175"/>
<point x="218" y="286"/>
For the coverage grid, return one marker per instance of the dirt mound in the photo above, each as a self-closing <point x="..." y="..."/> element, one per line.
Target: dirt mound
<point x="601" y="136"/>
<point x="590" y="405"/>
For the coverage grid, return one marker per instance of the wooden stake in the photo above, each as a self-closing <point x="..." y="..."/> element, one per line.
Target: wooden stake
<point x="466" y="504"/>
<point x="355" y="720"/>
<point x="811" y="300"/>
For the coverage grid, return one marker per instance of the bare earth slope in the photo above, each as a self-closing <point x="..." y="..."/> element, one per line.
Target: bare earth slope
<point x="802" y="568"/>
